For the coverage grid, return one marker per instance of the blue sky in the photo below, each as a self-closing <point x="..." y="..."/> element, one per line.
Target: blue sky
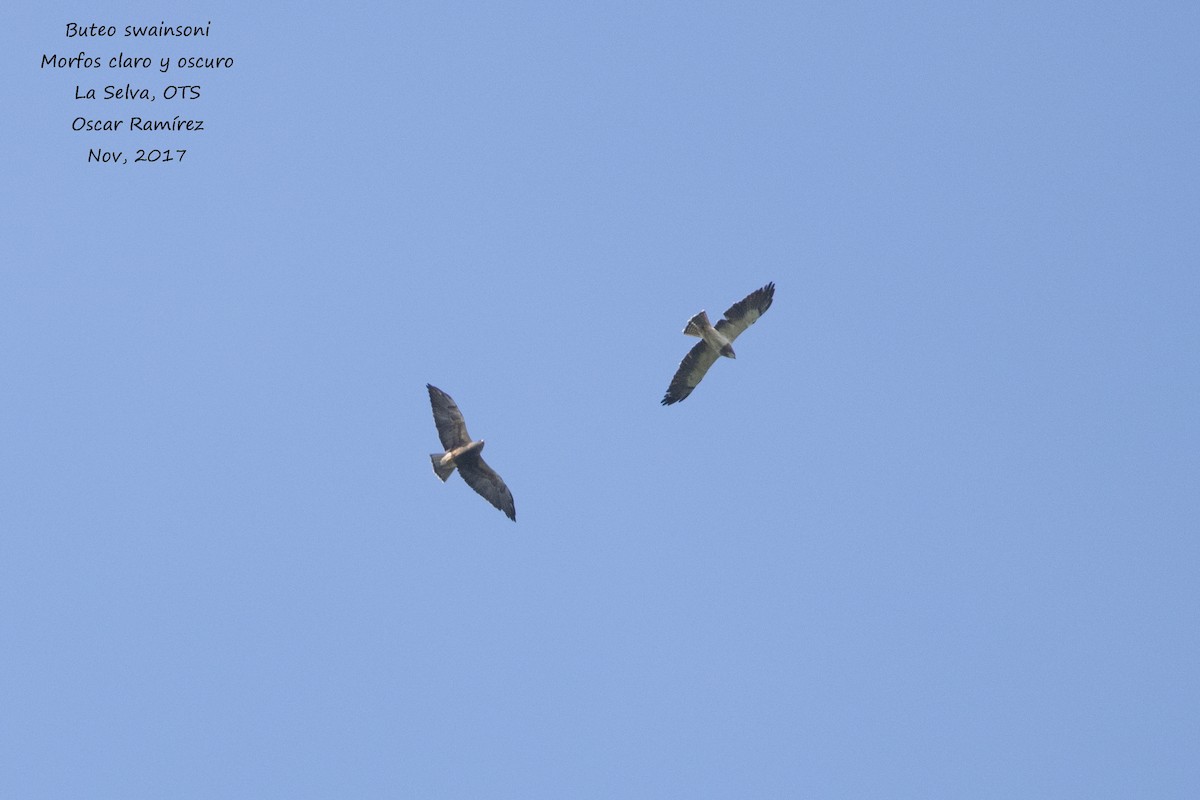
<point x="932" y="534"/>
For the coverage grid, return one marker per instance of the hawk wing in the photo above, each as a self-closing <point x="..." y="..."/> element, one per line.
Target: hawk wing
<point x="484" y="480"/>
<point x="691" y="372"/>
<point x="745" y="312"/>
<point x="451" y="428"/>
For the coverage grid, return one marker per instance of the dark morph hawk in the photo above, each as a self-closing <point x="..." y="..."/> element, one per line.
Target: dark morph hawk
<point x="715" y="341"/>
<point x="463" y="453"/>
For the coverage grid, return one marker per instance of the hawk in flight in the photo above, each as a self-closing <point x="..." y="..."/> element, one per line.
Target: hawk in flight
<point x="715" y="341"/>
<point x="463" y="453"/>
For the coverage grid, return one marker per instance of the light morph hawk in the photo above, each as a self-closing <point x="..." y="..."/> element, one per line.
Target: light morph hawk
<point x="463" y="453"/>
<point x="716" y="341"/>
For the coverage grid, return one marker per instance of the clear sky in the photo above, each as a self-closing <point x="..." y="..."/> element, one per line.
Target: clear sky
<point x="933" y="534"/>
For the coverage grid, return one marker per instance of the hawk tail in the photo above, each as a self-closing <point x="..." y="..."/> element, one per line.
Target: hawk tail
<point x="697" y="324"/>
<point x="443" y="471"/>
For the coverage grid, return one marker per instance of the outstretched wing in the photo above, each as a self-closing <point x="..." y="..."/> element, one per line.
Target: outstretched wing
<point x="449" y="420"/>
<point x="484" y="480"/>
<point x="690" y="373"/>
<point x="745" y="312"/>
